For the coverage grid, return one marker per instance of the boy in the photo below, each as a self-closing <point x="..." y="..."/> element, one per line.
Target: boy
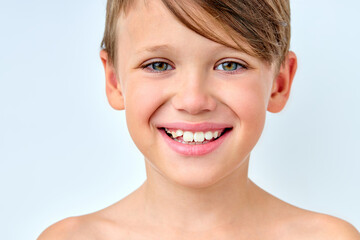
<point x="196" y="79"/>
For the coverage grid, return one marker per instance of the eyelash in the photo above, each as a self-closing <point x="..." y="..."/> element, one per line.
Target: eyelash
<point x="239" y="66"/>
<point x="153" y="70"/>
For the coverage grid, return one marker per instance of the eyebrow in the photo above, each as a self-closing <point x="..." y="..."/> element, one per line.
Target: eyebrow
<point x="156" y="48"/>
<point x="166" y="47"/>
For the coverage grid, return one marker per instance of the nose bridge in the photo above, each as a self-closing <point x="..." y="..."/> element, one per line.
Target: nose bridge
<point x="193" y="93"/>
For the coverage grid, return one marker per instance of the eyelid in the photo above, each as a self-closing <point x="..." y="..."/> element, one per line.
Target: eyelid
<point x="238" y="61"/>
<point x="146" y="64"/>
<point x="240" y="68"/>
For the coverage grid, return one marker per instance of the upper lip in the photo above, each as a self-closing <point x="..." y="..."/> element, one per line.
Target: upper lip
<point x="203" y="126"/>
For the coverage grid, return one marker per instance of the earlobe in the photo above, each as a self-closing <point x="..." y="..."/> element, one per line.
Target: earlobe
<point x="282" y="84"/>
<point x="113" y="89"/>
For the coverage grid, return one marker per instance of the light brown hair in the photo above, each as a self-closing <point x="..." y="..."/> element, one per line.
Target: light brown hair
<point x="263" y="24"/>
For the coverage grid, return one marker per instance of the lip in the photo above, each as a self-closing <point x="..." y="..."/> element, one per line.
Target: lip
<point x="200" y="127"/>
<point x="198" y="149"/>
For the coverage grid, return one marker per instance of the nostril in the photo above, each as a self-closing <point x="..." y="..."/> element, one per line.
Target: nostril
<point x="194" y="103"/>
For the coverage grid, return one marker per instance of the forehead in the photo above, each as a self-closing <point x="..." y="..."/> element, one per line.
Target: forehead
<point x="151" y="20"/>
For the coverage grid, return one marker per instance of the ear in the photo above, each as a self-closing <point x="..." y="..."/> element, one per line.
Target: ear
<point x="113" y="88"/>
<point x="282" y="84"/>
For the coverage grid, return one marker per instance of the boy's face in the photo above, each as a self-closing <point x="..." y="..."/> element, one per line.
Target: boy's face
<point x="196" y="85"/>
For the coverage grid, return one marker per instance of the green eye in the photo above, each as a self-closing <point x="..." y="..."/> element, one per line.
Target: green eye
<point x="158" y="66"/>
<point x="229" y="66"/>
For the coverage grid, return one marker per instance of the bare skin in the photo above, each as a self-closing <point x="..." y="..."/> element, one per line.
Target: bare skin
<point x="195" y="197"/>
<point x="127" y="219"/>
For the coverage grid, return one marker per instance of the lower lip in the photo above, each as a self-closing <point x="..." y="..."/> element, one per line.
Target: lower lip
<point x="194" y="150"/>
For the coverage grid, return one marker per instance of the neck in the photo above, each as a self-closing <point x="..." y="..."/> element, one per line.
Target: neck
<point x="197" y="209"/>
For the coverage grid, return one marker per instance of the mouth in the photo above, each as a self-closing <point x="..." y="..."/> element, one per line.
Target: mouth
<point x="194" y="138"/>
<point x="190" y="141"/>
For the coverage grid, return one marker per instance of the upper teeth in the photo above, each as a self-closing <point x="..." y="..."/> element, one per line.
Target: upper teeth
<point x="194" y="136"/>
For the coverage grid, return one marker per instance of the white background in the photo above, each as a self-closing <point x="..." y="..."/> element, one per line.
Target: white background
<point x="65" y="152"/>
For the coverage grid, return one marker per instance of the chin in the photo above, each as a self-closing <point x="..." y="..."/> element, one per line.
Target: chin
<point x="197" y="179"/>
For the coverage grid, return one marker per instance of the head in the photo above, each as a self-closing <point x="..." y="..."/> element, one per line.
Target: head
<point x="199" y="66"/>
<point x="263" y="24"/>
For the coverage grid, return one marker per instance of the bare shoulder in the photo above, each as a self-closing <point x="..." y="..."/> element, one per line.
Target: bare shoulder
<point x="322" y="227"/>
<point x="290" y="222"/>
<point x="83" y="227"/>
<point x="329" y="227"/>
<point x="113" y="222"/>
<point x="68" y="228"/>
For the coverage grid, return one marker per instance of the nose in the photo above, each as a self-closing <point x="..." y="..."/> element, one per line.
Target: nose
<point x="193" y="95"/>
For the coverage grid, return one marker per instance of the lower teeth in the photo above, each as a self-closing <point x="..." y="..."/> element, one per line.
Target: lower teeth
<point x="193" y="143"/>
<point x="190" y="143"/>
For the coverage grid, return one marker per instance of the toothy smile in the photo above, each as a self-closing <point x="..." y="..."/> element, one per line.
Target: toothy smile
<point x="194" y="139"/>
<point x="190" y="137"/>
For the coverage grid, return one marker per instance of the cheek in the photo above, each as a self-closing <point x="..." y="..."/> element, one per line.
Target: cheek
<point x="247" y="99"/>
<point x="248" y="102"/>
<point x="142" y="99"/>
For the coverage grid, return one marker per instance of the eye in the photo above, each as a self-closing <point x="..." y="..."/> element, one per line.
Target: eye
<point x="158" y="67"/>
<point x="230" y="66"/>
